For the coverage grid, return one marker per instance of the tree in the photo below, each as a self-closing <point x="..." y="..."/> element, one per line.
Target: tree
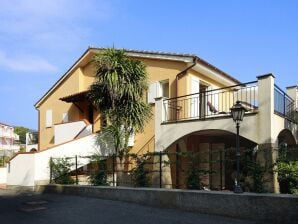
<point x="21" y="131"/>
<point x="118" y="93"/>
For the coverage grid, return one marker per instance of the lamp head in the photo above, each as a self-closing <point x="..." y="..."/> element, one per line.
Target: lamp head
<point x="237" y="112"/>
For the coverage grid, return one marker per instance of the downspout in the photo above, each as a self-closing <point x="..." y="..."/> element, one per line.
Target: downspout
<point x="184" y="72"/>
<point x="38" y="141"/>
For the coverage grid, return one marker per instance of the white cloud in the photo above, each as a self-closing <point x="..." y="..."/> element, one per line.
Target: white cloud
<point x="48" y="15"/>
<point x="50" y="24"/>
<point x="25" y="63"/>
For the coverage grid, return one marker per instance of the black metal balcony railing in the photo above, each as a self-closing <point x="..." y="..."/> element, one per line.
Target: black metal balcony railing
<point x="284" y="105"/>
<point x="210" y="103"/>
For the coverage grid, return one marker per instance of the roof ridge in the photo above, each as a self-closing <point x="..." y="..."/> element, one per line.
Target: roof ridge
<point x="148" y="51"/>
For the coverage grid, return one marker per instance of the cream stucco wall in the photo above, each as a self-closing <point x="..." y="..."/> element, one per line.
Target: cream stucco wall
<point x="82" y="76"/>
<point x="262" y="126"/>
<point x="58" y="107"/>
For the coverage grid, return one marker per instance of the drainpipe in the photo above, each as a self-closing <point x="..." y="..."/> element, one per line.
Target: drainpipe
<point x="184" y="72"/>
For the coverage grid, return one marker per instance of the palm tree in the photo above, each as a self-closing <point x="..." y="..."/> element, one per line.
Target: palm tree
<point x="118" y="93"/>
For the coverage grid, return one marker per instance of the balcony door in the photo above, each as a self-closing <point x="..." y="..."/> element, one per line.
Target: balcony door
<point x="195" y="98"/>
<point x="203" y="100"/>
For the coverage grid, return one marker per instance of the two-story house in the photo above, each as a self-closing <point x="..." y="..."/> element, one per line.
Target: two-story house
<point x="191" y="101"/>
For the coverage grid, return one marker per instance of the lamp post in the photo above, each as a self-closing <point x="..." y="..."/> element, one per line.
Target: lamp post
<point x="237" y="112"/>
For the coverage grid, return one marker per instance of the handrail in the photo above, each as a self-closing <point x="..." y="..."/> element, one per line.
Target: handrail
<point x="210" y="103"/>
<point x="284" y="105"/>
<point x="283" y="92"/>
<point x="227" y="87"/>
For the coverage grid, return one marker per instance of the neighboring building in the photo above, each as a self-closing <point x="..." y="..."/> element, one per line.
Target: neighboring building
<point x="191" y="101"/>
<point x="8" y="140"/>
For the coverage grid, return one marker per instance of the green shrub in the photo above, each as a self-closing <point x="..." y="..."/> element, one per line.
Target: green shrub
<point x="288" y="176"/>
<point x="193" y="178"/>
<point x="140" y="173"/>
<point x="98" y="175"/>
<point x="252" y="172"/>
<point x="61" y="171"/>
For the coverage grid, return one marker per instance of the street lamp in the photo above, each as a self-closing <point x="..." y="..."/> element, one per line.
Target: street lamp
<point x="237" y="112"/>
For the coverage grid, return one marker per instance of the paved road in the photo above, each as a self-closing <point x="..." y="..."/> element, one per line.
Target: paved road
<point x="51" y="208"/>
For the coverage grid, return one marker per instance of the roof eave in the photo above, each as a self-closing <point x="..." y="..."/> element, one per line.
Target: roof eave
<point x="187" y="58"/>
<point x="63" y="77"/>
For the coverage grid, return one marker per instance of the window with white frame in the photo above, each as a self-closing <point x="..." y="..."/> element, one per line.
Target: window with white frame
<point x="49" y="118"/>
<point x="158" y="89"/>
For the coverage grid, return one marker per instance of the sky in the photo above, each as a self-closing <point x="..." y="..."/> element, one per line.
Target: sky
<point x="41" y="39"/>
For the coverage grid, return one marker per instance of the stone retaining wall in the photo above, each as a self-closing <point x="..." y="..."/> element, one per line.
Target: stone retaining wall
<point x="269" y="208"/>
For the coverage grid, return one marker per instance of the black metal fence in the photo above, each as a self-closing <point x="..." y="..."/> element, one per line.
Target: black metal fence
<point x="213" y="170"/>
<point x="284" y="105"/>
<point x="210" y="103"/>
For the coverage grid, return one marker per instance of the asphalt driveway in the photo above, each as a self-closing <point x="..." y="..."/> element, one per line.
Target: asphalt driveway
<point x="51" y="208"/>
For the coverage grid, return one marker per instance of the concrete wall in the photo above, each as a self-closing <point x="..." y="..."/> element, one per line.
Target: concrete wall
<point x="21" y="170"/>
<point x="67" y="131"/>
<point x="259" y="207"/>
<point x="3" y="175"/>
<point x="32" y="168"/>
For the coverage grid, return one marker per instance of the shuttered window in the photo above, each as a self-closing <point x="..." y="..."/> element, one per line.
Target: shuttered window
<point x="49" y="118"/>
<point x="153" y="92"/>
<point x="158" y="89"/>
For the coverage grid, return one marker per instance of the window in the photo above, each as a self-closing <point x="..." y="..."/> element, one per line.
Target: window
<point x="49" y="118"/>
<point x="65" y="117"/>
<point x="158" y="89"/>
<point x="164" y="86"/>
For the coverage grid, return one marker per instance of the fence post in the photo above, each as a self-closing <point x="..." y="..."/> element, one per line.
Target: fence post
<point x="284" y="95"/>
<point x="160" y="169"/>
<point x="113" y="167"/>
<point x="77" y="179"/>
<point x="51" y="170"/>
<point x="177" y="166"/>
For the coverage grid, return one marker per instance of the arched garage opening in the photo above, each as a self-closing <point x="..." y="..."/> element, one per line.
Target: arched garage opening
<point x="287" y="162"/>
<point x="286" y="137"/>
<point x="211" y="153"/>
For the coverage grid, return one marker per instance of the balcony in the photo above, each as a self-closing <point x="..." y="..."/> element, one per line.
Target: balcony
<point x="210" y="104"/>
<point x="269" y="111"/>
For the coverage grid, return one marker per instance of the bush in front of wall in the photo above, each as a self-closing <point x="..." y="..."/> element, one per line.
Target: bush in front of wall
<point x="98" y="175"/>
<point x="193" y="178"/>
<point x="288" y="176"/>
<point x="287" y="170"/>
<point x="140" y="173"/>
<point x="61" y="171"/>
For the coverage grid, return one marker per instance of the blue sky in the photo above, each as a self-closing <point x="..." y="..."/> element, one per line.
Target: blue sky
<point x="40" y="40"/>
